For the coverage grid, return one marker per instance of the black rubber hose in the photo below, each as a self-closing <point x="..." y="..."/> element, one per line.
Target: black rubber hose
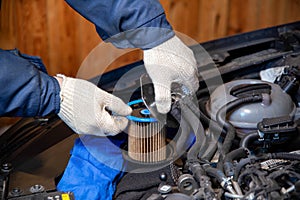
<point x="239" y="167"/>
<point x="188" y="115"/>
<point x="208" y="121"/>
<point x="233" y="155"/>
<point x="214" y="172"/>
<point x="236" y="154"/>
<point x="215" y="131"/>
<point x="286" y="156"/>
<point x="190" y="112"/>
<point x="198" y="129"/>
<point x="183" y="133"/>
<point x="213" y="126"/>
<point x="212" y="143"/>
<point x="212" y="140"/>
<point x="297" y="186"/>
<point x="222" y="121"/>
<point x="197" y="170"/>
<point x="244" y="162"/>
<point x="278" y="173"/>
<point x="206" y="91"/>
<point x="250" y="137"/>
<point x="181" y="142"/>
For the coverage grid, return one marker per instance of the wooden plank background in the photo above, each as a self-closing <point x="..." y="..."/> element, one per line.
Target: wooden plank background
<point x="62" y="38"/>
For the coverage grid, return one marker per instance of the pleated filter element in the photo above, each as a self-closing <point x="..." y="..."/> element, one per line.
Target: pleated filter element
<point x="146" y="136"/>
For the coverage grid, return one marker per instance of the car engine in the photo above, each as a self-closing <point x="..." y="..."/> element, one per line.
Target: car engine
<point x="245" y="130"/>
<point x="236" y="138"/>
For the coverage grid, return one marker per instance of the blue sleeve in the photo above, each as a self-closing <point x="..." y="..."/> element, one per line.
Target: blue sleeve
<point x="127" y="23"/>
<point x="26" y="90"/>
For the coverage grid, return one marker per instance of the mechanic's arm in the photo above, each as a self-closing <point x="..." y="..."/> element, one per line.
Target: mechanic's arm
<point x="143" y="24"/>
<point x="124" y="22"/>
<point x="27" y="91"/>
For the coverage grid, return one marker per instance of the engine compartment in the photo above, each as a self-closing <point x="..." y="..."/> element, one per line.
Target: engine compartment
<point x="238" y="138"/>
<point x="246" y="139"/>
<point x="245" y="150"/>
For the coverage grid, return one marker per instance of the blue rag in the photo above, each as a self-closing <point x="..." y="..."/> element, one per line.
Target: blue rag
<point x="94" y="168"/>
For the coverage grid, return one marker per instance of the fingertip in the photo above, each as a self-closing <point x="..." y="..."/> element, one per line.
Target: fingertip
<point x="117" y="106"/>
<point x="121" y="123"/>
<point x="163" y="107"/>
<point x="162" y="98"/>
<point x="115" y="125"/>
<point x="128" y="111"/>
<point x="123" y="109"/>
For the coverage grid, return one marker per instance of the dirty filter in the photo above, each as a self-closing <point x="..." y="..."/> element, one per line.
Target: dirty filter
<point x="146" y="136"/>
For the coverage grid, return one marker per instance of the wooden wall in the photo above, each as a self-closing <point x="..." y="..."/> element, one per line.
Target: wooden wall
<point x="62" y="38"/>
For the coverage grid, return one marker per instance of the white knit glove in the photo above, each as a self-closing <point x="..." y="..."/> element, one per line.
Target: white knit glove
<point x="169" y="62"/>
<point x="84" y="108"/>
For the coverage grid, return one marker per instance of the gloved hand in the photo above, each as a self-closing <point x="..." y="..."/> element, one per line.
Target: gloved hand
<point x="84" y="108"/>
<point x="171" y="61"/>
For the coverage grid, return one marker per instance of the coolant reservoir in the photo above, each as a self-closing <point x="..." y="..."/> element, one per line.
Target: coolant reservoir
<point x="276" y="103"/>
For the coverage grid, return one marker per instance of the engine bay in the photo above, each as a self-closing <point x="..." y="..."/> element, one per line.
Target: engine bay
<point x="236" y="138"/>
